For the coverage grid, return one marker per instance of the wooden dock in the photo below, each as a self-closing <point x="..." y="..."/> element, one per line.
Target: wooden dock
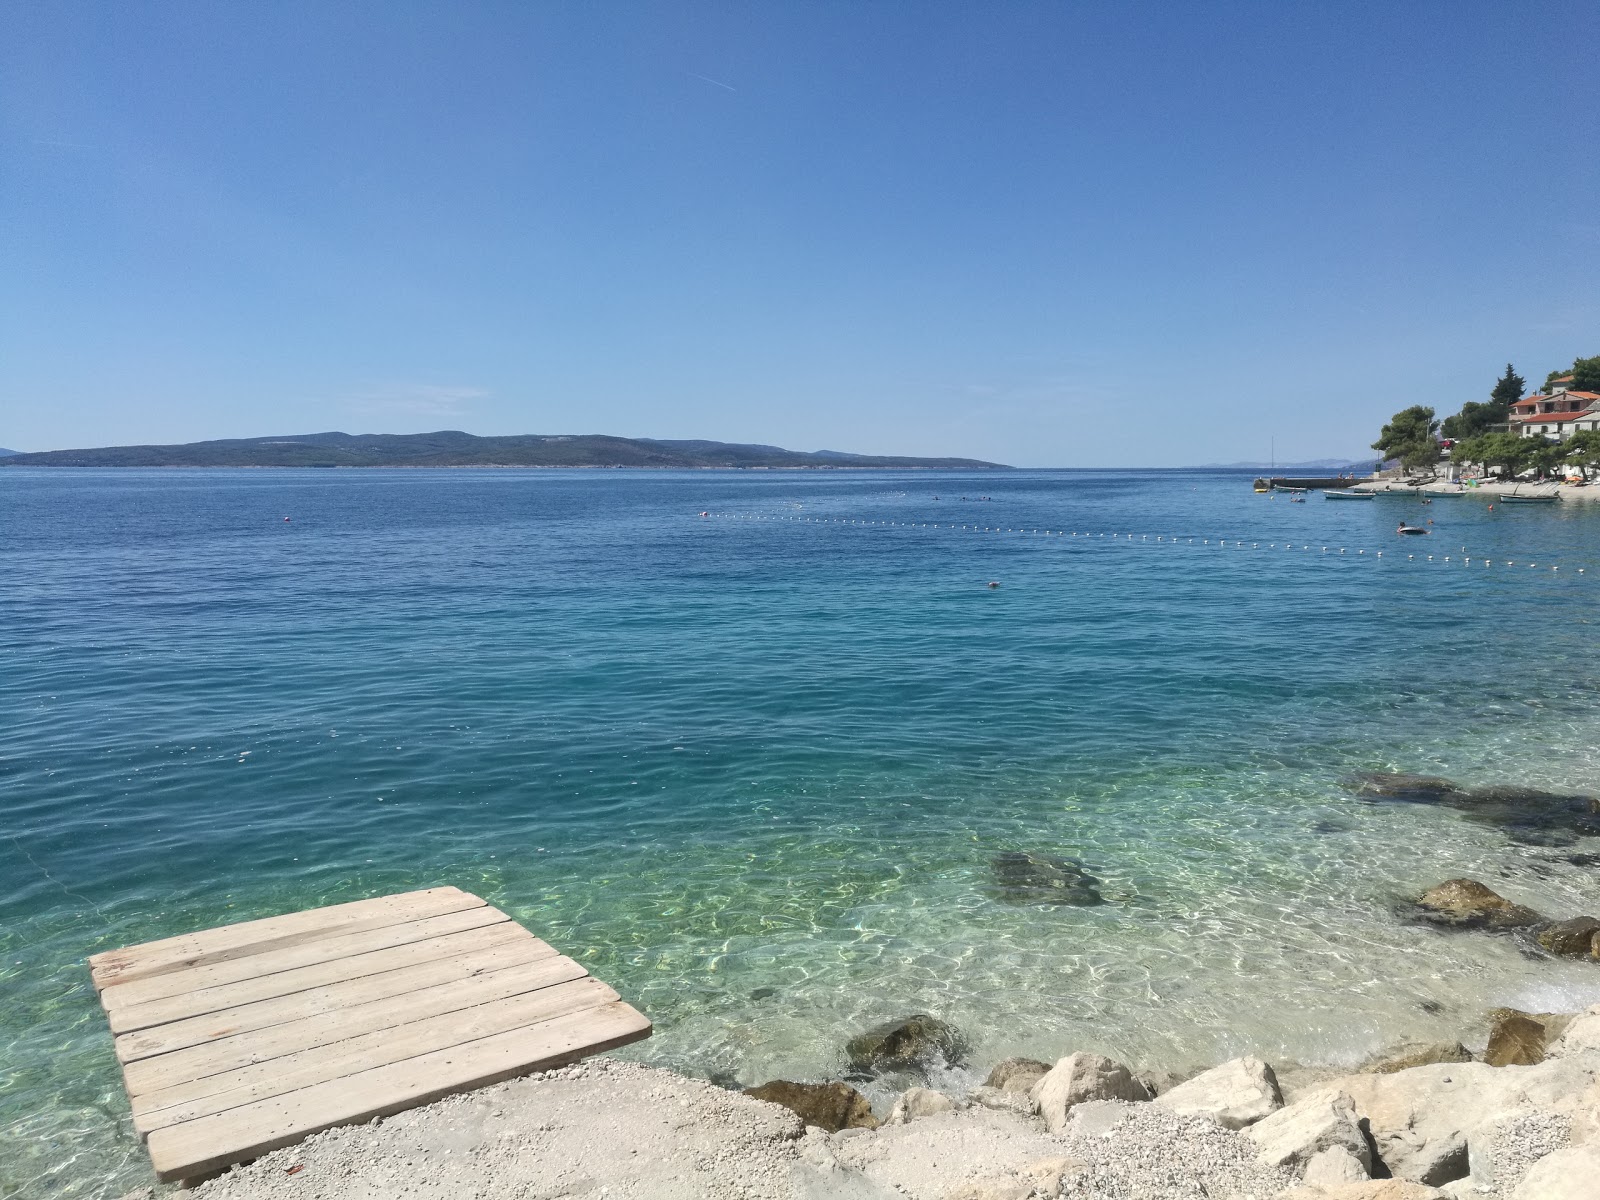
<point x="238" y="1040"/>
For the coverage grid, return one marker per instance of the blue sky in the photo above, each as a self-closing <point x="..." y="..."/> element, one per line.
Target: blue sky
<point x="1048" y="234"/>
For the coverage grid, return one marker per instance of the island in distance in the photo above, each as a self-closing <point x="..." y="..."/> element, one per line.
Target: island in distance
<point x="451" y="448"/>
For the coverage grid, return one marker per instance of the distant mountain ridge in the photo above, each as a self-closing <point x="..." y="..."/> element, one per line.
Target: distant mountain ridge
<point x="1316" y="464"/>
<point x="4" y="452"/>
<point x="452" y="448"/>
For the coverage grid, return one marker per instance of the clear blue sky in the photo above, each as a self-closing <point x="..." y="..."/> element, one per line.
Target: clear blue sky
<point x="1050" y="234"/>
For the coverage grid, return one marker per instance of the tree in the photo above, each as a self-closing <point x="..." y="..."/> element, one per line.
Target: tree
<point x="1412" y="436"/>
<point x="1583" y="450"/>
<point x="1586" y="374"/>
<point x="1543" y="455"/>
<point x="1475" y="418"/>
<point x="1507" y="451"/>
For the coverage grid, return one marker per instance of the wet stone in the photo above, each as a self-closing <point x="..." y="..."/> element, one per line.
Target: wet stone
<point x="1021" y="878"/>
<point x="1528" y="816"/>
<point x="914" y="1043"/>
<point x="829" y="1106"/>
<point x="1570" y="939"/>
<point x="1414" y="789"/>
<point x="1468" y="904"/>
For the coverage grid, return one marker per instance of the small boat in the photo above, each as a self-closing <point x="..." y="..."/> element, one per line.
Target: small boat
<point x="1550" y="499"/>
<point x="1332" y="495"/>
<point x="1413" y="530"/>
<point x="1297" y="499"/>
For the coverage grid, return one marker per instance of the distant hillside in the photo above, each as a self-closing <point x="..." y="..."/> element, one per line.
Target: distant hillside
<point x="1316" y="464"/>
<point x="451" y="448"/>
<point x="4" y="452"/>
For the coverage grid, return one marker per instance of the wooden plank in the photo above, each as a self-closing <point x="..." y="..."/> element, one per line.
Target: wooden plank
<point x="173" y="1041"/>
<point x="284" y="983"/>
<point x="338" y="1024"/>
<point x="296" y="1072"/>
<point x="194" y="979"/>
<point x="270" y="933"/>
<point x="197" y="1147"/>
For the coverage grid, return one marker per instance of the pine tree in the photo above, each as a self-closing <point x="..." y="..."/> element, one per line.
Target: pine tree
<point x="1507" y="391"/>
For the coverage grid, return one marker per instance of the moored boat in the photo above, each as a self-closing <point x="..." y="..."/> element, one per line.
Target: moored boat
<point x="1331" y="495"/>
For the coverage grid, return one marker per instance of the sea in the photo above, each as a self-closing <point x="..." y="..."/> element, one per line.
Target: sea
<point x="757" y="747"/>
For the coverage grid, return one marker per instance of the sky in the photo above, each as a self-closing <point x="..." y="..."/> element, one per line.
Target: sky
<point x="1045" y="234"/>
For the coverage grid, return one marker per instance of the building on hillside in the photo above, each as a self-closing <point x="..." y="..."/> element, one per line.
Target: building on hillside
<point x="1558" y="414"/>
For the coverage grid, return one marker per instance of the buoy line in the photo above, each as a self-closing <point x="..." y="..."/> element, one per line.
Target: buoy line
<point x="1462" y="558"/>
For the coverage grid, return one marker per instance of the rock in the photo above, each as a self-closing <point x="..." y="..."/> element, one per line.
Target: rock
<point x="1080" y="1077"/>
<point x="1468" y="904"/>
<point x="1570" y="939"/>
<point x="919" y="1102"/>
<point x="1531" y="816"/>
<point x="1236" y="1094"/>
<point x="1373" y="1189"/>
<point x="1022" y="878"/>
<point x="1580" y="1036"/>
<point x="830" y="1106"/>
<point x="912" y="1043"/>
<point x="1420" y="1120"/>
<point x="1016" y="1074"/>
<point x="1416" y="789"/>
<point x="1335" y="1165"/>
<point x="1014" y="1102"/>
<point x="1095" y="1118"/>
<point x="1520" y="1039"/>
<point x="1572" y="1174"/>
<point x="1417" y="1055"/>
<point x="1291" y="1136"/>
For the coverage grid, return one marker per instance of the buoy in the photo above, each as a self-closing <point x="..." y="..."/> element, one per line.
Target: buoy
<point x="993" y="584"/>
<point x="286" y="520"/>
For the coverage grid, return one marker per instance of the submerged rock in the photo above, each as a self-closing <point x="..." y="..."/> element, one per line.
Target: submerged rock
<point x="1468" y="904"/>
<point x="1023" y="878"/>
<point x="1395" y="785"/>
<point x="1417" y="1055"/>
<point x="1530" y="816"/>
<point x="913" y="1043"/>
<point x="829" y="1106"/>
<point x="1571" y="939"/>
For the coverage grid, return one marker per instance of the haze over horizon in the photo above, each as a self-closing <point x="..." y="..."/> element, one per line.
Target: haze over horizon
<point x="1037" y="234"/>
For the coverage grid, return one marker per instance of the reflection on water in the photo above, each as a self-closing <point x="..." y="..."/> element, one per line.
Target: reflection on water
<point x="778" y="780"/>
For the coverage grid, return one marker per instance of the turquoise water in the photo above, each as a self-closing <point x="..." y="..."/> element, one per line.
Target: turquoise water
<point x="751" y="768"/>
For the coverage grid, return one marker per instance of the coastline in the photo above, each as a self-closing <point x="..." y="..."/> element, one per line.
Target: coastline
<point x="1420" y="1124"/>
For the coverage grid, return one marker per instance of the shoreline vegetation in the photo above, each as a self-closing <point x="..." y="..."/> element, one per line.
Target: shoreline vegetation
<point x="452" y="448"/>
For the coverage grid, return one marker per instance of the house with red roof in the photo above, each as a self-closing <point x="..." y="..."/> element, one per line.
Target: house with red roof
<point x="1557" y="413"/>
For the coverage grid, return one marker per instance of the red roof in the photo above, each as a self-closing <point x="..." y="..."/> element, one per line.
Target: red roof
<point x="1562" y="379"/>
<point x="1585" y="395"/>
<point x="1535" y="418"/>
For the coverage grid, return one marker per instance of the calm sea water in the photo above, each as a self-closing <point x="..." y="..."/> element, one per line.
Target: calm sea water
<point x="752" y="768"/>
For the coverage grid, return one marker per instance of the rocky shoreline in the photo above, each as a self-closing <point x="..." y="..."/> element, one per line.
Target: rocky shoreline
<point x="1514" y="1118"/>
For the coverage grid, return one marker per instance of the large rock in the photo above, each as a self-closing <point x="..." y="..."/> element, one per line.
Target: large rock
<point x="1580" y="1036"/>
<point x="1236" y="1094"/>
<point x="1468" y="904"/>
<point x="1572" y="1174"/>
<point x="1022" y="878"/>
<point x="1042" y="1178"/>
<point x="830" y="1106"/>
<point x="1420" y="1121"/>
<point x="1290" y="1137"/>
<point x="1080" y="1077"/>
<point x="1570" y="939"/>
<point x="919" y="1102"/>
<point x="1417" y="1055"/>
<point x="913" y="1043"/>
<point x="1016" y="1074"/>
<point x="1521" y="1039"/>
<point x="1333" y="1166"/>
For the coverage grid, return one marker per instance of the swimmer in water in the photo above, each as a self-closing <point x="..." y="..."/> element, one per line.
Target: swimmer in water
<point x="993" y="584"/>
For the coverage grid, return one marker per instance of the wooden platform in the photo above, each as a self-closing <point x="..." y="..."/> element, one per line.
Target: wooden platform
<point x="238" y="1040"/>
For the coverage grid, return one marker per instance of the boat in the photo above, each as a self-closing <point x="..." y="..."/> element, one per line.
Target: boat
<point x="1331" y="495"/>
<point x="1413" y="530"/>
<point x="1550" y="499"/>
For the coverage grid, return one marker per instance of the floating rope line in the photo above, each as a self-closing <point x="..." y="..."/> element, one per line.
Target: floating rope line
<point x="1464" y="559"/>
